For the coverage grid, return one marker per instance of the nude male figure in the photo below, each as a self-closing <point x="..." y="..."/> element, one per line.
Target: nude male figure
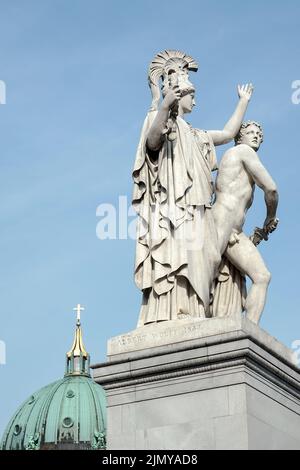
<point x="239" y="171"/>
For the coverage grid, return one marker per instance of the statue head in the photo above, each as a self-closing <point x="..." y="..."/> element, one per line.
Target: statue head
<point x="171" y="68"/>
<point x="250" y="133"/>
<point x="187" y="101"/>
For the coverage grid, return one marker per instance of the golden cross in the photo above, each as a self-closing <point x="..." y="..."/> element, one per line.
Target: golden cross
<point x="78" y="309"/>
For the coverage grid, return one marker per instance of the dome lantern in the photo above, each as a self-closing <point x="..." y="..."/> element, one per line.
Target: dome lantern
<point x="78" y="360"/>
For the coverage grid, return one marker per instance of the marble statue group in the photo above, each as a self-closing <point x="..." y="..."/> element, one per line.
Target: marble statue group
<point x="192" y="255"/>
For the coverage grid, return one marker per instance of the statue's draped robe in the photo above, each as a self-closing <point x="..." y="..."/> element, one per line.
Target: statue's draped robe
<point x="176" y="249"/>
<point x="229" y="292"/>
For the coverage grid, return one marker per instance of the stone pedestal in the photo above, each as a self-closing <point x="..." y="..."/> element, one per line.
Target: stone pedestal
<point x="220" y="383"/>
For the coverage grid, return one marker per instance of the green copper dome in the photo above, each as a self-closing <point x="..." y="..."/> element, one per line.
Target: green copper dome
<point x="67" y="414"/>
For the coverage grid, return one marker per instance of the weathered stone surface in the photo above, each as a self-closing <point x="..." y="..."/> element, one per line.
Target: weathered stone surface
<point x="178" y="331"/>
<point x="232" y="390"/>
<point x="177" y="250"/>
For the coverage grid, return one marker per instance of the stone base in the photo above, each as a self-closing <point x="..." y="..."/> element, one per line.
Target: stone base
<point x="207" y="384"/>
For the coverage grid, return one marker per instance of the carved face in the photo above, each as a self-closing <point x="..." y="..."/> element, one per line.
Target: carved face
<point x="187" y="102"/>
<point x="252" y="136"/>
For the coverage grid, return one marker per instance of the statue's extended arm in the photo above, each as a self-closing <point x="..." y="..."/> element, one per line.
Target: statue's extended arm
<point x="232" y="127"/>
<point x="262" y="178"/>
<point x="156" y="134"/>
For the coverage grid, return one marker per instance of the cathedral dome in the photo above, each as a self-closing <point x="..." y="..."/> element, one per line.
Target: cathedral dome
<point x="67" y="414"/>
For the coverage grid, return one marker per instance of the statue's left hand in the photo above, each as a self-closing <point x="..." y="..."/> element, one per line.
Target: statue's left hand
<point x="245" y="91"/>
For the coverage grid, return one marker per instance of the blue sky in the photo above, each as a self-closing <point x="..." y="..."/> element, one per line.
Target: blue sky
<point x="77" y="94"/>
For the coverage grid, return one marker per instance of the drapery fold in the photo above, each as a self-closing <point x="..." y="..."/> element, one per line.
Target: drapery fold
<point x="176" y="248"/>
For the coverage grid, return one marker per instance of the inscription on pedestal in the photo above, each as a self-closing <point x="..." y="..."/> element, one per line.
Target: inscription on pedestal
<point x="164" y="333"/>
